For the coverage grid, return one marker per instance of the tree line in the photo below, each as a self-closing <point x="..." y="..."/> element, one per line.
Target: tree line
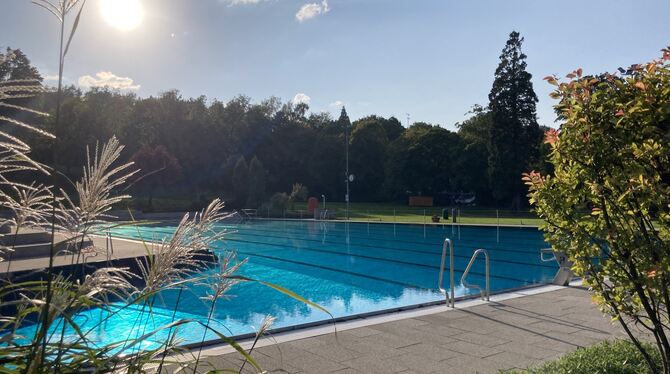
<point x="246" y="151"/>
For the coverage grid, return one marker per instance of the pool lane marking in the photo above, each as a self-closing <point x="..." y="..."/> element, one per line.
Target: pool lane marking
<point x="462" y="242"/>
<point x="244" y="232"/>
<point x="498" y="249"/>
<point x="382" y="258"/>
<point x="494" y="250"/>
<point x="361" y="256"/>
<point x="395" y="261"/>
<point x="341" y="271"/>
<point x="327" y="268"/>
<point x="536" y="241"/>
<point x="241" y="229"/>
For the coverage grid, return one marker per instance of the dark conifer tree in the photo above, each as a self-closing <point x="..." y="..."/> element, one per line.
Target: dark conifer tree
<point x="345" y="123"/>
<point x="514" y="135"/>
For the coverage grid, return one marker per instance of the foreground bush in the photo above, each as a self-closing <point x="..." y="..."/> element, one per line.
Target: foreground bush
<point x="608" y="204"/>
<point x="617" y="357"/>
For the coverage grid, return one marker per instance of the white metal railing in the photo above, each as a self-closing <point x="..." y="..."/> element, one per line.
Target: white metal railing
<point x="564" y="274"/>
<point x="545" y="251"/>
<point x="486" y="292"/>
<point x="449" y="296"/>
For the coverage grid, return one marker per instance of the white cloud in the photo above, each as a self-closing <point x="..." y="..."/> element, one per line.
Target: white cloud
<point x="337" y="104"/>
<point x="51" y="78"/>
<point x="301" y="98"/>
<point x="108" y="79"/>
<point x="312" y="10"/>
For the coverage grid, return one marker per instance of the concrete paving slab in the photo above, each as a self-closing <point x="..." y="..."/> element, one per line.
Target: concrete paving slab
<point x="481" y="338"/>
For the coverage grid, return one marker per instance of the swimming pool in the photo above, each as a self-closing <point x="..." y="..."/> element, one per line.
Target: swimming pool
<point x="348" y="268"/>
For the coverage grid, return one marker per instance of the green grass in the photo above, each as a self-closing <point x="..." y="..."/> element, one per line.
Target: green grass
<point x="389" y="212"/>
<point x="373" y="212"/>
<point x="616" y="357"/>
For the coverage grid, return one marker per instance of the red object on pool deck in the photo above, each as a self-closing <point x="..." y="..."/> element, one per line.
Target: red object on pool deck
<point x="312" y="203"/>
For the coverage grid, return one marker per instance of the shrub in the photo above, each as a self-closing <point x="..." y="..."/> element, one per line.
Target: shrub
<point x="279" y="201"/>
<point x="617" y="357"/>
<point x="298" y="194"/>
<point x="607" y="207"/>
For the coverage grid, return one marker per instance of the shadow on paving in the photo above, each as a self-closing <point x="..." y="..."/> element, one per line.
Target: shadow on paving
<point x="515" y="333"/>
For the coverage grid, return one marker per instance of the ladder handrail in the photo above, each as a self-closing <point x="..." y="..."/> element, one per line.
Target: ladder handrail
<point x="550" y="251"/>
<point x="485" y="295"/>
<point x="450" y="300"/>
<point x="564" y="274"/>
<point x="249" y="212"/>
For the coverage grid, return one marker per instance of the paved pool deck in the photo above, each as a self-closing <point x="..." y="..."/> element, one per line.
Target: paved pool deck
<point x="120" y="249"/>
<point x="516" y="330"/>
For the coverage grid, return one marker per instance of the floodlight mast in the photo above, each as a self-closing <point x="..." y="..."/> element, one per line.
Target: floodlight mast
<point x="346" y="172"/>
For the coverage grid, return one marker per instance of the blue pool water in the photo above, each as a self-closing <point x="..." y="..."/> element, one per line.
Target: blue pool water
<point x="348" y="268"/>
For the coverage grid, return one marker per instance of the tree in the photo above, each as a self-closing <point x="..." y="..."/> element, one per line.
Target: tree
<point x="392" y="127"/>
<point x="291" y="143"/>
<point x="421" y="161"/>
<point x="325" y="165"/>
<point x="514" y="134"/>
<point x="256" y="183"/>
<point x="368" y="159"/>
<point x="240" y="181"/>
<point x="472" y="160"/>
<point x="15" y="65"/>
<point x="298" y="193"/>
<point x="158" y="169"/>
<point x="608" y="205"/>
<point x="345" y="124"/>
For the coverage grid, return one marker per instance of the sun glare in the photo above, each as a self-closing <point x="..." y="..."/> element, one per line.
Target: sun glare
<point x="124" y="15"/>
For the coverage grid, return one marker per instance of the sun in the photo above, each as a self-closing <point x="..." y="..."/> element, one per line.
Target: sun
<point x="124" y="15"/>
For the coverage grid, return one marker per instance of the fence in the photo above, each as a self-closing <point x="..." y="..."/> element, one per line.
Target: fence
<point x="413" y="215"/>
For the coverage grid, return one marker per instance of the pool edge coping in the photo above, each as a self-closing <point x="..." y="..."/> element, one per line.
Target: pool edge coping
<point x="396" y="223"/>
<point x="217" y="347"/>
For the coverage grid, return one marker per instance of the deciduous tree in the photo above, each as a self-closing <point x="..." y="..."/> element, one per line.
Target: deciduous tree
<point x="256" y="186"/>
<point x="159" y="169"/>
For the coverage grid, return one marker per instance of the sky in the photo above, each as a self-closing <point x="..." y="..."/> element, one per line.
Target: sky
<point x="429" y="59"/>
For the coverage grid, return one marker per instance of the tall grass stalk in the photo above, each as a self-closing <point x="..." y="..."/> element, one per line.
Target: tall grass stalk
<point x="53" y="304"/>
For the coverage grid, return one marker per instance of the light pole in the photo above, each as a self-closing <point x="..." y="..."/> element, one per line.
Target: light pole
<point x="324" y="201"/>
<point x="346" y="172"/>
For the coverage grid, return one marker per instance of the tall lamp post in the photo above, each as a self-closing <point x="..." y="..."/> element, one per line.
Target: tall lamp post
<point x="344" y="120"/>
<point x="346" y="171"/>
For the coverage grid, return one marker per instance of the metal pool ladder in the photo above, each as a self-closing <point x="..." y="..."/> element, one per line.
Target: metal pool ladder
<point x="450" y="299"/>
<point x="486" y="292"/>
<point x="564" y="274"/>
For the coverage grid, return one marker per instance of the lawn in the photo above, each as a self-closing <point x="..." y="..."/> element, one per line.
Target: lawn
<point x="373" y="212"/>
<point x="389" y="212"/>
